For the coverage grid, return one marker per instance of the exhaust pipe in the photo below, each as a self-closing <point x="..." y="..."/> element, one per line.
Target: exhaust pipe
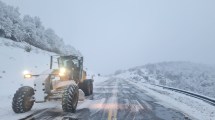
<point x="51" y="60"/>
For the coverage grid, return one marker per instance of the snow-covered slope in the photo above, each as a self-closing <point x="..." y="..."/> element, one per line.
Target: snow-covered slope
<point x="189" y="76"/>
<point x="14" y="60"/>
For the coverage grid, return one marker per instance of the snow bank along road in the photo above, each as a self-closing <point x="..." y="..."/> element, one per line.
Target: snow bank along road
<point x="114" y="99"/>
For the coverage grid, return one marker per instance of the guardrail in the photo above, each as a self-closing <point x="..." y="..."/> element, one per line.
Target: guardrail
<point x="201" y="97"/>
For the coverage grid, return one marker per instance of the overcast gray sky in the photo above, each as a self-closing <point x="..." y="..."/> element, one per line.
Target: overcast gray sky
<point x="118" y="34"/>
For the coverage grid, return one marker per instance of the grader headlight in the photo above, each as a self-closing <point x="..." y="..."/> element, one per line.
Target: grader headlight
<point x="27" y="74"/>
<point x="62" y="72"/>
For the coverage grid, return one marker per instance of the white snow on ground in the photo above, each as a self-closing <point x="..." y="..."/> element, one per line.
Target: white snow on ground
<point x="14" y="61"/>
<point x="190" y="106"/>
<point x="99" y="79"/>
<point x="87" y="103"/>
<point x="109" y="104"/>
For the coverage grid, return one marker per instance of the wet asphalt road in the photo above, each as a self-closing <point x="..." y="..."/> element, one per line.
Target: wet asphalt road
<point x="114" y="99"/>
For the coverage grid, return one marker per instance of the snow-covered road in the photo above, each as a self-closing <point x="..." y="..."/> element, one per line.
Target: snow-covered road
<point x="115" y="99"/>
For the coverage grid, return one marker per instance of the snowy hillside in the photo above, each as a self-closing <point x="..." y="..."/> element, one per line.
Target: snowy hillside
<point x="189" y="76"/>
<point x="14" y="60"/>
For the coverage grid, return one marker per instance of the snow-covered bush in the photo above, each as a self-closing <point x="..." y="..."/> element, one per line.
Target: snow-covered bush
<point x="27" y="48"/>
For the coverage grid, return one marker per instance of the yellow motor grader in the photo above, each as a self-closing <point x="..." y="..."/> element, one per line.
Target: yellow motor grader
<point x="61" y="83"/>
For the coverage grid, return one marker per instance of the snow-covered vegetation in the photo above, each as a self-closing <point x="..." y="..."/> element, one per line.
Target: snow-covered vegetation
<point x="198" y="78"/>
<point x="30" y="30"/>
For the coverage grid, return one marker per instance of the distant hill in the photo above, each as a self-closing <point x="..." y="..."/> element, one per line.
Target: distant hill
<point x="198" y="78"/>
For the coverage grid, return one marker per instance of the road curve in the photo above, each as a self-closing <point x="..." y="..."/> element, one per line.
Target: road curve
<point x="114" y="99"/>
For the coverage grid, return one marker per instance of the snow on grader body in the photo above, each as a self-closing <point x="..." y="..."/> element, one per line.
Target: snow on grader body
<point x="61" y="83"/>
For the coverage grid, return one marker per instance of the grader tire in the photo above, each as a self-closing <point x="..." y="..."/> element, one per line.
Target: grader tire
<point x="91" y="90"/>
<point x="22" y="99"/>
<point x="70" y="98"/>
<point x="88" y="87"/>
